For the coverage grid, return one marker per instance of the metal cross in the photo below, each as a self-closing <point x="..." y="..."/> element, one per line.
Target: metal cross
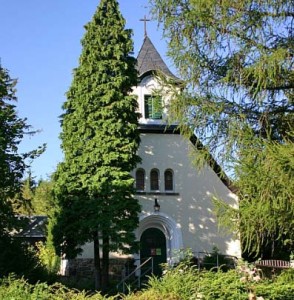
<point x="145" y="20"/>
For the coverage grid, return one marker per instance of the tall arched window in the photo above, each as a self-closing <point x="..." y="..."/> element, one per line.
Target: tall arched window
<point x="168" y="180"/>
<point x="154" y="180"/>
<point x="140" y="180"/>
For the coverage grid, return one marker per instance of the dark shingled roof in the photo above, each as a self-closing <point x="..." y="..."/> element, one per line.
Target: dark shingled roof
<point x="35" y="227"/>
<point x="149" y="60"/>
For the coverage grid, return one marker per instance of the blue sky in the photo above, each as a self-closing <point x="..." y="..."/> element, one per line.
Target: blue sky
<point x="40" y="45"/>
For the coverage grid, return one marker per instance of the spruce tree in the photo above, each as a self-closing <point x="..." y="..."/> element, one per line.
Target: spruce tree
<point x="100" y="139"/>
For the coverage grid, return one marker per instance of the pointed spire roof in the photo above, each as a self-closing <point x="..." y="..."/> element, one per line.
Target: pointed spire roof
<point x="149" y="60"/>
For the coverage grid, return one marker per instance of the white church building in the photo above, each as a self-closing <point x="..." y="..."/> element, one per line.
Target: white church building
<point x="175" y="196"/>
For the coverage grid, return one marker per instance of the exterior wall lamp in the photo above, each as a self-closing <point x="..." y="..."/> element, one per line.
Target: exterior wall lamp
<point x="156" y="205"/>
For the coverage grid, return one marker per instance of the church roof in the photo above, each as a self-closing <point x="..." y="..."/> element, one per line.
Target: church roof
<point x="149" y="60"/>
<point x="35" y="226"/>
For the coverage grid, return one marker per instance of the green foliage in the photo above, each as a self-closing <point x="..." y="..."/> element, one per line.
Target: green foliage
<point x="177" y="281"/>
<point x="236" y="59"/>
<point x="287" y="276"/>
<point x="14" y="256"/>
<point x="22" y="201"/>
<point x="152" y="295"/>
<point x="266" y="206"/>
<point x="48" y="258"/>
<point x="10" y="288"/>
<point x="188" y="283"/>
<point x="275" y="291"/>
<point x="180" y="283"/>
<point x="185" y="282"/>
<point x="94" y="188"/>
<point x="42" y="200"/>
<point x="46" y="252"/>
<point x="12" y="164"/>
<point x="266" y="214"/>
<point x="20" y="259"/>
<point x="34" y="198"/>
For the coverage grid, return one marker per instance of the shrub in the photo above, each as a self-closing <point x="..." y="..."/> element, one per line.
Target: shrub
<point x="20" y="259"/>
<point x="20" y="289"/>
<point x="287" y="276"/>
<point x="151" y="295"/>
<point x="180" y="283"/>
<point x="48" y="258"/>
<point x="186" y="283"/>
<point x="275" y="291"/>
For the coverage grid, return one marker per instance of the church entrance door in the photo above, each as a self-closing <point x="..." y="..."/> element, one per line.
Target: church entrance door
<point x="153" y="243"/>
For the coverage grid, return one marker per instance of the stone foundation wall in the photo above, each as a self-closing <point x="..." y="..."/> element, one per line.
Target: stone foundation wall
<point x="83" y="268"/>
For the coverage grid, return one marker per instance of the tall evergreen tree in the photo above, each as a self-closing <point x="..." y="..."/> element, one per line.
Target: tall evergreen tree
<point x="14" y="256"/>
<point x="100" y="139"/>
<point x="12" y="165"/>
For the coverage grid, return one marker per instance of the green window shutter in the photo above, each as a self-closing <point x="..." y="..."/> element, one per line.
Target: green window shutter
<point x="153" y="107"/>
<point x="148" y="106"/>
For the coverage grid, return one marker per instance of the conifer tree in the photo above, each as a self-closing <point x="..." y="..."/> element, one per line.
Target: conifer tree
<point x="14" y="256"/>
<point x="22" y="201"/>
<point x="100" y="139"/>
<point x="12" y="165"/>
<point x="236" y="58"/>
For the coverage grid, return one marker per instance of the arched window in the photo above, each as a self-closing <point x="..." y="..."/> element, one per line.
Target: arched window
<point x="154" y="180"/>
<point x="168" y="180"/>
<point x="140" y="180"/>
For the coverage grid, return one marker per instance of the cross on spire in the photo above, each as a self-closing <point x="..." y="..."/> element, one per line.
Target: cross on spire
<point x="145" y="20"/>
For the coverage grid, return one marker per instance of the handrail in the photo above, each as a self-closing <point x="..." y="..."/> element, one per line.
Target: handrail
<point x="122" y="282"/>
<point x="199" y="255"/>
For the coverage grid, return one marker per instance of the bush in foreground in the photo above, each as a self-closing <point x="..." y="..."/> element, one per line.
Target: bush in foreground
<point x="186" y="283"/>
<point x="19" y="289"/>
<point x="180" y="283"/>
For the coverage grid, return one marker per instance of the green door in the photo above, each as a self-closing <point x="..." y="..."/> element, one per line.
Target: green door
<point x="153" y="243"/>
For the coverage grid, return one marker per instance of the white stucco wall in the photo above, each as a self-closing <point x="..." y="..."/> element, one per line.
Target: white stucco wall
<point x="190" y="206"/>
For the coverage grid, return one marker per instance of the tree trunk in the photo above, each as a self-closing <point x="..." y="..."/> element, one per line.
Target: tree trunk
<point x="105" y="263"/>
<point x="97" y="262"/>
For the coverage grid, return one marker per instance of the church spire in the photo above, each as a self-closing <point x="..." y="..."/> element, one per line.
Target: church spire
<point x="149" y="60"/>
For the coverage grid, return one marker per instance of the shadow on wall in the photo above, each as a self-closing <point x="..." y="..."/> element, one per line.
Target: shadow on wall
<point x="191" y="203"/>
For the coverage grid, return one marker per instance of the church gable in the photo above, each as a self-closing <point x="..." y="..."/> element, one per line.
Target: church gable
<point x="183" y="193"/>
